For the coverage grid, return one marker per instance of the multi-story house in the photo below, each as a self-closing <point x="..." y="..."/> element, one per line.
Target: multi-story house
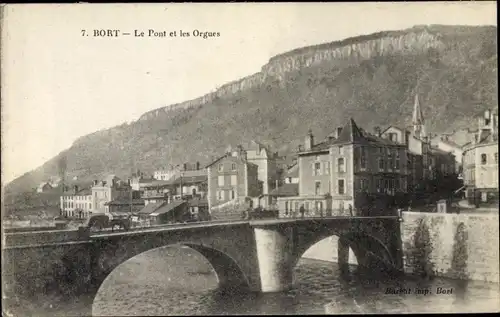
<point x="337" y="175"/>
<point x="268" y="164"/>
<point x="190" y="184"/>
<point x="418" y="147"/>
<point x="232" y="178"/>
<point x="446" y="144"/>
<point x="106" y="191"/>
<point x="77" y="203"/>
<point x="480" y="162"/>
<point x="288" y="187"/>
<point x="174" y="171"/>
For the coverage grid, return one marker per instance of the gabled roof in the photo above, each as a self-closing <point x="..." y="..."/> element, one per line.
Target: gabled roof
<point x="350" y="134"/>
<point x="190" y="180"/>
<point x="149" y="208"/>
<point x="167" y="208"/>
<point x="395" y="127"/>
<point x="286" y="190"/>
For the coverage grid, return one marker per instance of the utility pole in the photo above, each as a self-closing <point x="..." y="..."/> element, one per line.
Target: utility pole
<point x="181" y="183"/>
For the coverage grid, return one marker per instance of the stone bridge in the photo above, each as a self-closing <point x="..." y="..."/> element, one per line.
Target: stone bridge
<point x="259" y="255"/>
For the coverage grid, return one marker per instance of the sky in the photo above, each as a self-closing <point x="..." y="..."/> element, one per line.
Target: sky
<point x="58" y="84"/>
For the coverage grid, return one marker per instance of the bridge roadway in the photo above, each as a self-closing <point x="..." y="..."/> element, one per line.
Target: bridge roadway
<point x="169" y="227"/>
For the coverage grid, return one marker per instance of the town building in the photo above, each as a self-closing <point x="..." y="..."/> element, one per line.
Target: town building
<point x="232" y="179"/>
<point x="156" y="191"/>
<point x="174" y="171"/>
<point x="122" y="205"/>
<point x="44" y="187"/>
<point x="417" y="144"/>
<point x="76" y="203"/>
<point x="107" y="190"/>
<point x="338" y="175"/>
<point x="447" y="144"/>
<point x="480" y="162"/>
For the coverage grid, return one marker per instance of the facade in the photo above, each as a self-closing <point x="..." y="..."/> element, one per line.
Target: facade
<point x="442" y="163"/>
<point x="77" y="203"/>
<point x="337" y="175"/>
<point x="232" y="178"/>
<point x="122" y="205"/>
<point x="156" y="191"/>
<point x="481" y="161"/>
<point x="444" y="143"/>
<point x="44" y="187"/>
<point x="107" y="190"/>
<point x="267" y="164"/>
<point x="173" y="171"/>
<point x="190" y="184"/>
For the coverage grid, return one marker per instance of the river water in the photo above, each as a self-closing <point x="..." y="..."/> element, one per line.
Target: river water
<point x="179" y="281"/>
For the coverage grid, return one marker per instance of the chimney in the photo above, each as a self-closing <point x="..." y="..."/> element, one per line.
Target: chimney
<point x="184" y="166"/>
<point x="75" y="188"/>
<point x="338" y="131"/>
<point x="197" y="166"/>
<point x="129" y="182"/>
<point x="95" y="182"/>
<point x="300" y="149"/>
<point x="378" y="131"/>
<point x="309" y="140"/>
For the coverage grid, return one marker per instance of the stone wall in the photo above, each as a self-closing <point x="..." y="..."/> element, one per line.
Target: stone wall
<point x="464" y="246"/>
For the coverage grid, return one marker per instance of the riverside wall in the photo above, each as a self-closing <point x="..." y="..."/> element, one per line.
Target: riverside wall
<point x="457" y="246"/>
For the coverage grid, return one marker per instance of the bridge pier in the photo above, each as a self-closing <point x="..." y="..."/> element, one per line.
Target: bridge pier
<point x="343" y="253"/>
<point x="274" y="257"/>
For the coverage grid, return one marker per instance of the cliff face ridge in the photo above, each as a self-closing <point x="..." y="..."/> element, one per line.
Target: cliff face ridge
<point x="414" y="41"/>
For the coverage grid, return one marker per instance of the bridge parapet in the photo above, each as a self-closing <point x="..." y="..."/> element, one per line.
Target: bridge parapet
<point x="14" y="239"/>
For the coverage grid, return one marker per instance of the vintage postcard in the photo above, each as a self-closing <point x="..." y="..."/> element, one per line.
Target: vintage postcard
<point x="249" y="158"/>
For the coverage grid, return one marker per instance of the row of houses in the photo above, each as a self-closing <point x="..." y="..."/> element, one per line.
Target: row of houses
<point x="349" y="170"/>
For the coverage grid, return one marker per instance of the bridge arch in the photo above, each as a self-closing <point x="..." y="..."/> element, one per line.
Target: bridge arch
<point x="369" y="250"/>
<point x="227" y="271"/>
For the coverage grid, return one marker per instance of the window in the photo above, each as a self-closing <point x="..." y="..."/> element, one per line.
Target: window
<point x="496" y="158"/>
<point x="317" y="188"/>
<point x="219" y="194"/>
<point x="221" y="167"/>
<point x="317" y="157"/>
<point x="234" y="180"/>
<point x="327" y="168"/>
<point x="381" y="163"/>
<point x="233" y="195"/>
<point x="363" y="185"/>
<point x="220" y="180"/>
<point x="483" y="159"/>
<point x="317" y="169"/>
<point x="341" y="187"/>
<point x="380" y="185"/>
<point x="362" y="159"/>
<point x="286" y="207"/>
<point x="233" y="167"/>
<point x="393" y="137"/>
<point x="341" y="150"/>
<point x="396" y="163"/>
<point x="389" y="159"/>
<point x="397" y="184"/>
<point x="341" y="165"/>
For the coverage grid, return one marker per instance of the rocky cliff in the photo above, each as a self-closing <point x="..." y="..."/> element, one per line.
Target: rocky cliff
<point x="371" y="78"/>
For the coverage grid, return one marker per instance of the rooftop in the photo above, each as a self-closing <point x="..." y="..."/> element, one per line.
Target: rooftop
<point x="149" y="208"/>
<point x="123" y="201"/>
<point x="286" y="190"/>
<point x="168" y="207"/>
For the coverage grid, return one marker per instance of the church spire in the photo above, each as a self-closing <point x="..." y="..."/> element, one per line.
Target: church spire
<point x="418" y="119"/>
